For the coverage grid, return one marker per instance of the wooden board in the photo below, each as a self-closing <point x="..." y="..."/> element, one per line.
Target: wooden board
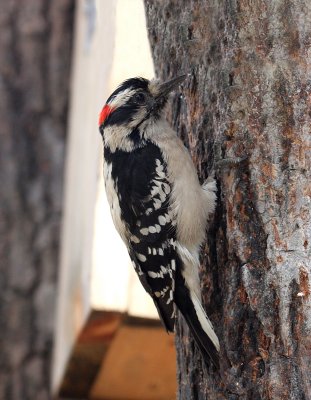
<point x="139" y="365"/>
<point x="88" y="353"/>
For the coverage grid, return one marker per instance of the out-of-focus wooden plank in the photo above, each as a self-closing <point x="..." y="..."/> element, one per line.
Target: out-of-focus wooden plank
<point x="88" y="353"/>
<point x="139" y="365"/>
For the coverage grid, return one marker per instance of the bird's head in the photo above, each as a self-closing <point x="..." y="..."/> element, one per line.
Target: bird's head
<point x="135" y="101"/>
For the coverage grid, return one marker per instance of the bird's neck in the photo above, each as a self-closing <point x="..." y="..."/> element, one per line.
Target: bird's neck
<point x="123" y="138"/>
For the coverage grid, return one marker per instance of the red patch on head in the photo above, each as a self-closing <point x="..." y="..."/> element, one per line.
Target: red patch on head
<point x="105" y="112"/>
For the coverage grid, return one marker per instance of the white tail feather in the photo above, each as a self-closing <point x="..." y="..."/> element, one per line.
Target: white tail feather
<point x="204" y="320"/>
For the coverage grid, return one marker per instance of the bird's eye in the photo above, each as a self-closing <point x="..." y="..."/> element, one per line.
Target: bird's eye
<point x="139" y="98"/>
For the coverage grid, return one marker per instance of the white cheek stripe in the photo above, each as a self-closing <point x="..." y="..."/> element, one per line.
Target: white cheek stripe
<point x="121" y="98"/>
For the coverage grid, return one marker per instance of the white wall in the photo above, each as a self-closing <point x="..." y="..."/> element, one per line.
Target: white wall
<point x="111" y="45"/>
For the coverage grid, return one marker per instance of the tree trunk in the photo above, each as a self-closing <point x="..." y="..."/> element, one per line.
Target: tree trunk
<point x="35" y="48"/>
<point x="247" y="96"/>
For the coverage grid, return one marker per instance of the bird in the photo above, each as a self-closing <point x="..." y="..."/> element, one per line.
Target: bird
<point x="157" y="203"/>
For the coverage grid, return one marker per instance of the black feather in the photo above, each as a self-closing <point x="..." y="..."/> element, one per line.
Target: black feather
<point x="133" y="83"/>
<point x="186" y="307"/>
<point x="135" y="174"/>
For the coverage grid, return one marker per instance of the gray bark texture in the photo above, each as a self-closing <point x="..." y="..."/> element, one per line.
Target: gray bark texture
<point x="35" y="52"/>
<point x="247" y="96"/>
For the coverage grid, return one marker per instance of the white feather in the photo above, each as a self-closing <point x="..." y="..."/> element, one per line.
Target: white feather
<point x="204" y="320"/>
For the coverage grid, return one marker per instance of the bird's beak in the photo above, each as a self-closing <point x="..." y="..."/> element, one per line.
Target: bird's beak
<point x="166" y="87"/>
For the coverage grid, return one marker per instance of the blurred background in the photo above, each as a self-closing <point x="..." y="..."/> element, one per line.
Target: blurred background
<point x="75" y="322"/>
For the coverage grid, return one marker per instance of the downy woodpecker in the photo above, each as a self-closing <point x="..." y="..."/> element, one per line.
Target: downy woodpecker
<point x="157" y="204"/>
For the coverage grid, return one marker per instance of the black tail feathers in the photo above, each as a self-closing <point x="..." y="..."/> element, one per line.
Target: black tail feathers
<point x="200" y="326"/>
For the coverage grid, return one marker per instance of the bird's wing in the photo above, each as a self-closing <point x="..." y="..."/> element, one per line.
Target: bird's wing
<point x="152" y="239"/>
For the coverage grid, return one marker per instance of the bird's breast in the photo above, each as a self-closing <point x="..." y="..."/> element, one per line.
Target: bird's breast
<point x="113" y="200"/>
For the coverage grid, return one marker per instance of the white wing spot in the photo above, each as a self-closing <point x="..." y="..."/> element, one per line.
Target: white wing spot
<point x="160" y="174"/>
<point x="159" y="274"/>
<point x="164" y="291"/>
<point x="148" y="211"/>
<point x="161" y="252"/>
<point x="134" y="239"/>
<point x="144" y="231"/>
<point x="157" y="189"/>
<point x="141" y="257"/>
<point x="160" y="169"/>
<point x="152" y="229"/>
<point x="154" y="191"/>
<point x="158" y="228"/>
<point x="167" y="188"/>
<point x="162" y="220"/>
<point x="162" y="195"/>
<point x="157" y="204"/>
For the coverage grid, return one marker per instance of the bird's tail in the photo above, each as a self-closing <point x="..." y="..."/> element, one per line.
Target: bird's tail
<point x="199" y="324"/>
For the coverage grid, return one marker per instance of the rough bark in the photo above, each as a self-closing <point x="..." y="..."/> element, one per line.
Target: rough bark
<point x="35" y="48"/>
<point x="248" y="95"/>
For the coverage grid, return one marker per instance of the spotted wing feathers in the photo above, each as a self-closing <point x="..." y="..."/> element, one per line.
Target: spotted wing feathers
<point x="142" y="181"/>
<point x="153" y="239"/>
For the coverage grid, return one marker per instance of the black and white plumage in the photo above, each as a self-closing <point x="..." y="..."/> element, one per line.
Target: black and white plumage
<point x="157" y="204"/>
